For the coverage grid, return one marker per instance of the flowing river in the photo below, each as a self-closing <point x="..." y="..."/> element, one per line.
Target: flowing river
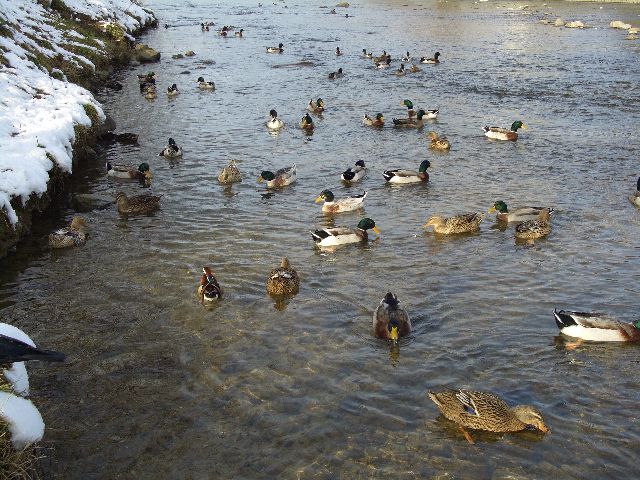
<point x="158" y="386"/>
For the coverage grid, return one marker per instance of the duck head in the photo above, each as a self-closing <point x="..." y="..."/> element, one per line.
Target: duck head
<point x="200" y="79"/>
<point x="366" y="224"/>
<point x="267" y="176"/>
<point x="530" y="417"/>
<point x="327" y="195"/>
<point x="273" y="113"/>
<point x="407" y="103"/>
<point x="379" y="117"/>
<point x="499" y="206"/>
<point x="436" y="55"/>
<point x="360" y="163"/>
<point x="516" y="125"/>
<point x="424" y="165"/>
<point x="78" y="223"/>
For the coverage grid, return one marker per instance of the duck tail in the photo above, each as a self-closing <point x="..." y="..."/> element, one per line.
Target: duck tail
<point x="387" y="175"/>
<point x="563" y="319"/>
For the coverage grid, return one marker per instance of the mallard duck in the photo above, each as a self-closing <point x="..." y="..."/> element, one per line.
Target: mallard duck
<point x="306" y="123"/>
<point x="411" y="122"/>
<point x="635" y="198"/>
<point x="373" y="122"/>
<point x="409" y="104"/>
<point x="596" y="327"/>
<point x="317" y="106"/>
<point x="414" y="68"/>
<point x="438" y="143"/>
<point x="150" y="92"/>
<point x="381" y="58"/>
<point x="348" y="204"/>
<point x="355" y="173"/>
<point x="406" y="58"/>
<point x="338" y="74"/>
<point x="342" y="235"/>
<point x="137" y="205"/>
<point x="274" y="123"/>
<point x="521" y="214"/>
<point x="432" y="114"/>
<point x="283" y="177"/>
<point x="400" y="72"/>
<point x="384" y="64"/>
<point x="202" y="85"/>
<point x="172" y="150"/>
<point x="390" y="319"/>
<point x="365" y="54"/>
<point x="230" y="174"/>
<point x="172" y="91"/>
<point x="486" y="411"/>
<point x="465" y="223"/>
<point x="149" y="77"/>
<point x="74" y="235"/>
<point x="283" y="280"/>
<point x="532" y="229"/>
<point x="209" y="288"/>
<point x="431" y="60"/>
<point x="239" y="32"/>
<point x="408" y="176"/>
<point x="189" y="53"/>
<point x="125" y="171"/>
<point x="277" y="49"/>
<point x="204" y="27"/>
<point x="498" y="133"/>
<point x="15" y="350"/>
<point x="338" y="52"/>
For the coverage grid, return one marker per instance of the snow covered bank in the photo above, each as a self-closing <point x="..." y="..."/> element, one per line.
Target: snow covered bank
<point x="44" y="47"/>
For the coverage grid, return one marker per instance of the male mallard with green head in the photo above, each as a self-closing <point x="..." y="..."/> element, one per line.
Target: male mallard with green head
<point x="499" y="133"/>
<point x="74" y="235"/>
<point x="172" y="91"/>
<point x="521" y="214"/>
<point x="411" y="122"/>
<point x="306" y="123"/>
<point x="373" y="122"/>
<point x="434" y="59"/>
<point x="317" y="106"/>
<point x="172" y="150"/>
<point x="326" y="237"/>
<point x="486" y="411"/>
<point x="596" y="327"/>
<point x="202" y="85"/>
<point x="408" y="176"/>
<point x="465" y="223"/>
<point x="400" y="72"/>
<point x="277" y="49"/>
<point x="390" y="319"/>
<point x="355" y="173"/>
<point x="138" y="204"/>
<point x="209" y="289"/>
<point x="126" y="171"/>
<point x="532" y="229"/>
<point x="409" y="104"/>
<point x="333" y="205"/>
<point x="283" y="280"/>
<point x="337" y="74"/>
<point x="274" y="123"/>
<point x="283" y="177"/>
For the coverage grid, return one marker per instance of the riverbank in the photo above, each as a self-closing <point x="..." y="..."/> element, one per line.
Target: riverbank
<point x="52" y="53"/>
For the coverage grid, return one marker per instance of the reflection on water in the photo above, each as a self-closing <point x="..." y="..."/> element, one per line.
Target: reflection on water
<point x="157" y="386"/>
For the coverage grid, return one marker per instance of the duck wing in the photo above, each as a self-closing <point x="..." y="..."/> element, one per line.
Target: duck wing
<point x="567" y="318"/>
<point x="496" y="130"/>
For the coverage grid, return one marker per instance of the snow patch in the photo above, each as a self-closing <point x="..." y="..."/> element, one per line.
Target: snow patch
<point x="23" y="419"/>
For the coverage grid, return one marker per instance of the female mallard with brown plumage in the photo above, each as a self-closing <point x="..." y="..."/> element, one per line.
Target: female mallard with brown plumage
<point x="138" y="204"/>
<point x="373" y="122"/>
<point x="596" y="327"/>
<point x="283" y="280"/>
<point x="438" y="143"/>
<point x="390" y="319"/>
<point x="499" y="133"/>
<point x="486" y="411"/>
<point x="317" y="106"/>
<point x="74" y="235"/>
<point x="126" y="171"/>
<point x="532" y="229"/>
<point x="209" y="288"/>
<point x="465" y="223"/>
<point x="230" y="174"/>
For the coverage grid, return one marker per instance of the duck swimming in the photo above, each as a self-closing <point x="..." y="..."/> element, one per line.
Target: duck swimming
<point x="274" y="123"/>
<point x="355" y="173"/>
<point x="390" y="319"/>
<point x="431" y="60"/>
<point x="378" y="121"/>
<point x="316" y="107"/>
<point x="499" y="133"/>
<point x="532" y="229"/>
<point x="125" y="171"/>
<point x="343" y="235"/>
<point x="521" y="214"/>
<point x="202" y="85"/>
<point x="74" y="235"/>
<point x="172" y="150"/>
<point x="338" y="74"/>
<point x="138" y="204"/>
<point x="408" y="176"/>
<point x="209" y="289"/>
<point x="306" y="123"/>
<point x="333" y="205"/>
<point x="338" y="52"/>
<point x="438" y="143"/>
<point x="283" y="177"/>
<point x="465" y="223"/>
<point x="172" y="91"/>
<point x="277" y="49"/>
<point x="283" y="280"/>
<point x="410" y="122"/>
<point x="596" y="327"/>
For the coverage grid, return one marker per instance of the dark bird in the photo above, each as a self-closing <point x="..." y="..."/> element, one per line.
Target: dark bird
<point x="12" y="350"/>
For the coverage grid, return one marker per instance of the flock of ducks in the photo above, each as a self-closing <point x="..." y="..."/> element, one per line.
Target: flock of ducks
<point x="471" y="409"/>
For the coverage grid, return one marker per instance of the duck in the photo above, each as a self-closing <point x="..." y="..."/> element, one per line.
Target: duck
<point x="390" y="319"/>
<point x="465" y="223"/>
<point x="432" y="113"/>
<point x="138" y="204"/>
<point x="411" y="122"/>
<point x="532" y="229"/>
<point x="202" y="85"/>
<point x="486" y="411"/>
<point x="283" y="177"/>
<point x="230" y="174"/>
<point x="172" y="91"/>
<point x="14" y="350"/>
<point x="150" y="92"/>
<point x="438" y="143"/>
<point x="354" y="174"/>
<point x="274" y="123"/>
<point x="596" y="327"/>
<point x="306" y="123"/>
<point x="317" y="106"/>
<point x="343" y="235"/>
<point x="149" y="77"/>
<point x="499" y="133"/>
<point x="400" y="72"/>
<point x="338" y="74"/>
<point x="125" y="171"/>
<point x="406" y="58"/>
<point x="204" y="27"/>
<point x="366" y="54"/>
<point x="373" y="122"/>
<point x="381" y="58"/>
<point x="283" y="280"/>
<point x="409" y="104"/>
<point x="414" y="68"/>
<point x="431" y="60"/>
<point x="75" y="235"/>
<point x="338" y="52"/>
<point x="635" y="198"/>
<point x="277" y="49"/>
<point x="408" y="176"/>
<point x="383" y="64"/>
<point x="521" y="214"/>
<point x="172" y="150"/>
<point x="333" y="205"/>
<point x="209" y="289"/>
<point x="239" y="33"/>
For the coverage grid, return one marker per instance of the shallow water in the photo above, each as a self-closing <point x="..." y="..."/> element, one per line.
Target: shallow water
<point x="156" y="386"/>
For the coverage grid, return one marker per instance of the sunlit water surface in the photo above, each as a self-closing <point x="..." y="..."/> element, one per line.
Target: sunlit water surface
<point x="156" y="386"/>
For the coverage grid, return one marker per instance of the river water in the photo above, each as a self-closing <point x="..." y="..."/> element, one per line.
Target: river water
<point x="157" y="386"/>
